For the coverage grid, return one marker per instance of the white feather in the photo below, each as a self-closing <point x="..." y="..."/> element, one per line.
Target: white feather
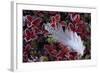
<point x="68" y="38"/>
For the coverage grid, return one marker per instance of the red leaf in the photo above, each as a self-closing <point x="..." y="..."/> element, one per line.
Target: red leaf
<point x="36" y="22"/>
<point x="29" y="34"/>
<point x="57" y="17"/>
<point x="29" y="18"/>
<point x="53" y="21"/>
